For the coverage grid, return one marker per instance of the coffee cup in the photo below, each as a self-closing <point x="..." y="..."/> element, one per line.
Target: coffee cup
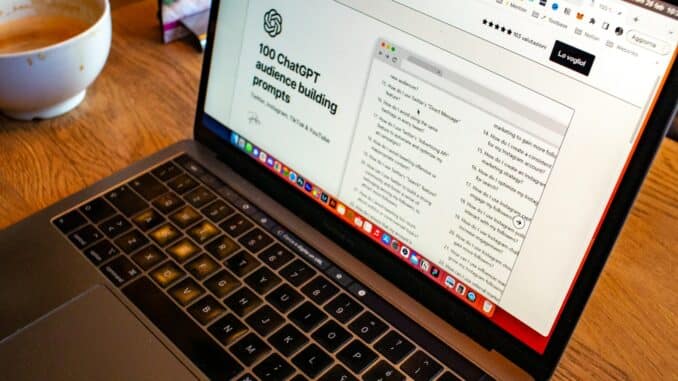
<point x="50" y="52"/>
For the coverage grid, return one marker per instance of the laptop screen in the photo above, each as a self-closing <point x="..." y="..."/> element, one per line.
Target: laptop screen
<point x="480" y="142"/>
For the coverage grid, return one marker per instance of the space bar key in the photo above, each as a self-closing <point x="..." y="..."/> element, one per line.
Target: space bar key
<point x="200" y="348"/>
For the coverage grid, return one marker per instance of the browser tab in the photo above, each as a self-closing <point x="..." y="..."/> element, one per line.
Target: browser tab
<point x="572" y="58"/>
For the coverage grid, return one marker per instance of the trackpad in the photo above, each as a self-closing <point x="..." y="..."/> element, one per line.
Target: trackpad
<point x="92" y="337"/>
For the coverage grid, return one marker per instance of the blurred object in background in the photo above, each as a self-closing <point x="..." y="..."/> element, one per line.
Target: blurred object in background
<point x="197" y="24"/>
<point x="174" y="12"/>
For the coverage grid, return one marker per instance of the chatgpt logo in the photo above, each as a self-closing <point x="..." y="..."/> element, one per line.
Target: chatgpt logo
<point x="273" y="23"/>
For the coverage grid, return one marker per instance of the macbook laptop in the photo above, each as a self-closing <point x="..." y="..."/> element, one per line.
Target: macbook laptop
<point x="377" y="190"/>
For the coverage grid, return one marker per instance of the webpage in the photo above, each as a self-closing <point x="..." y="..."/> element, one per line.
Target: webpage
<point x="479" y="141"/>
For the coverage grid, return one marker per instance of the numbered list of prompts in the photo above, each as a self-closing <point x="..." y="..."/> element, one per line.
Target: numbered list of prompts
<point x="446" y="177"/>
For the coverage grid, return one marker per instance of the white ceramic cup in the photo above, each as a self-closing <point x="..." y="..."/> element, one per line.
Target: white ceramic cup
<point x="47" y="82"/>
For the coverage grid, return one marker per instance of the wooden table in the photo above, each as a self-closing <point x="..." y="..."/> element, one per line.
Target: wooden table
<point x="144" y="100"/>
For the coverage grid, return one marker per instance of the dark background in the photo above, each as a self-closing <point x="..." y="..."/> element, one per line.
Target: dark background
<point x="673" y="131"/>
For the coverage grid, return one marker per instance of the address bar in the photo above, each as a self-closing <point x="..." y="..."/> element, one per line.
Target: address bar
<point x="507" y="101"/>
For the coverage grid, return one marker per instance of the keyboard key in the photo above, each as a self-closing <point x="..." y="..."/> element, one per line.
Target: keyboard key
<point x="199" y="197"/>
<point x="265" y="320"/>
<point x="101" y="252"/>
<point x="339" y="276"/>
<point x="255" y="240"/>
<point x="126" y="200"/>
<point x="331" y="336"/>
<point x="297" y="272"/>
<point x="421" y="367"/>
<point x="115" y="226"/>
<point x="148" y="219"/>
<point x="284" y="298"/>
<point x="338" y="373"/>
<point x="148" y="257"/>
<point x="307" y="316"/>
<point x="228" y="329"/>
<point x="212" y="181"/>
<point x="168" y="202"/>
<point x="312" y="360"/>
<point x="262" y="280"/>
<point x="120" y="270"/>
<point x="166" y="171"/>
<point x="320" y="290"/>
<point x="343" y="308"/>
<point x="202" y="267"/>
<point x="206" y="310"/>
<point x="241" y="264"/>
<point x="131" y="241"/>
<point x="186" y="291"/>
<point x="165" y="234"/>
<point x="265" y="221"/>
<point x="368" y="327"/>
<point x="299" y="377"/>
<point x="273" y="368"/>
<point x="183" y="250"/>
<point x="288" y="340"/>
<point x="222" y="247"/>
<point x="148" y="187"/>
<point x="190" y="165"/>
<point x="97" y="210"/>
<point x="185" y="217"/>
<point x="356" y="356"/>
<point x="236" y="225"/>
<point x="383" y="371"/>
<point x="222" y="284"/>
<point x="394" y="347"/>
<point x="85" y="236"/>
<point x="167" y="274"/>
<point x="203" y="232"/>
<point x="243" y="301"/>
<point x="217" y="211"/>
<point x="246" y="377"/>
<point x="250" y="349"/>
<point x="69" y="221"/>
<point x="182" y="183"/>
<point x="245" y="206"/>
<point x="196" y="344"/>
<point x="447" y="376"/>
<point x="276" y="256"/>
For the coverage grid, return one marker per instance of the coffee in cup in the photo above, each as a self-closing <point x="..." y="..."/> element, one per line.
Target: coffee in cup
<point x="39" y="31"/>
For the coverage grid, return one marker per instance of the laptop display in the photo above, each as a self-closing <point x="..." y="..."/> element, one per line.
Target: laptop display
<point x="480" y="142"/>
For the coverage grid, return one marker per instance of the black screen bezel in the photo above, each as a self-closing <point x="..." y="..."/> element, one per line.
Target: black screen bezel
<point x="420" y="287"/>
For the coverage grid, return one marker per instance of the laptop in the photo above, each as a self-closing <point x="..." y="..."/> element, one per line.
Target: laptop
<point x="379" y="190"/>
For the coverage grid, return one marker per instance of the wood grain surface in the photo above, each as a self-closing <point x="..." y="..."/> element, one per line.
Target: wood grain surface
<point x="144" y="100"/>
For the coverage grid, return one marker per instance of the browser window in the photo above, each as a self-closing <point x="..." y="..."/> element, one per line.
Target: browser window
<point x="480" y="142"/>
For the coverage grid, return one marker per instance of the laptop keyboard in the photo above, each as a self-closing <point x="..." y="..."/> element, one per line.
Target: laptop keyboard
<point x="238" y="294"/>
